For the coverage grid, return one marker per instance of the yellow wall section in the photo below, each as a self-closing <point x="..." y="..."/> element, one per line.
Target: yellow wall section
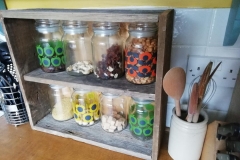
<point x="72" y="4"/>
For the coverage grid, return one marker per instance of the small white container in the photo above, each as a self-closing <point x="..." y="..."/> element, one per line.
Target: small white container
<point x="186" y="139"/>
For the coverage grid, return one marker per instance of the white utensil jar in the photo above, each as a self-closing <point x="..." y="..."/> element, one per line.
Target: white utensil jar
<point x="186" y="139"/>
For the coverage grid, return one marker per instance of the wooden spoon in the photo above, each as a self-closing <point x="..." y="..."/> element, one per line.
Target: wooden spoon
<point x="174" y="83"/>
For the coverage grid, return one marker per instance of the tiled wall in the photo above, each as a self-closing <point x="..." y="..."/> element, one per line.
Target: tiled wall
<point x="201" y="32"/>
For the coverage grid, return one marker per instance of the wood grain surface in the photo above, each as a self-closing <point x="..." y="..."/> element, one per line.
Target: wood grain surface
<point x="234" y="109"/>
<point x="23" y="143"/>
<point x="85" y="15"/>
<point x="122" y="141"/>
<point x="163" y="65"/>
<point x="90" y="82"/>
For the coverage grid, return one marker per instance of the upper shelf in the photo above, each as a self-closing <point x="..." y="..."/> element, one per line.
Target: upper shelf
<point x="85" y="15"/>
<point x="90" y="82"/>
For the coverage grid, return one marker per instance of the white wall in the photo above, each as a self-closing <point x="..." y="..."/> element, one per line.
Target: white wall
<point x="201" y="32"/>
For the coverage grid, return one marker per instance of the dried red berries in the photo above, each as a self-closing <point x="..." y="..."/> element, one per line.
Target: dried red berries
<point x="110" y="67"/>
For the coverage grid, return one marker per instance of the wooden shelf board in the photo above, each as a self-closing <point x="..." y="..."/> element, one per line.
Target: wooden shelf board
<point x="90" y="82"/>
<point x="122" y="142"/>
<point x="85" y="15"/>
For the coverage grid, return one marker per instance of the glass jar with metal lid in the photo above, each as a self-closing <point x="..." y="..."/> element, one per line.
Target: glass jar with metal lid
<point x="113" y="112"/>
<point x="60" y="100"/>
<point x="86" y="107"/>
<point x="141" y="53"/>
<point x="49" y="45"/>
<point x="107" y="50"/>
<point x="77" y="48"/>
<point x="141" y="118"/>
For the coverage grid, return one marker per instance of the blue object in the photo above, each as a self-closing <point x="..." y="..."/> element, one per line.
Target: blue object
<point x="233" y="25"/>
<point x="2" y="7"/>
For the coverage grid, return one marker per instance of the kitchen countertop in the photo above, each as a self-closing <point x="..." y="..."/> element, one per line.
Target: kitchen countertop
<point x="23" y="143"/>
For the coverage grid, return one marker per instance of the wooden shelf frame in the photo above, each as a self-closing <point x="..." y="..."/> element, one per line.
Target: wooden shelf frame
<point x="90" y="82"/>
<point x="20" y="32"/>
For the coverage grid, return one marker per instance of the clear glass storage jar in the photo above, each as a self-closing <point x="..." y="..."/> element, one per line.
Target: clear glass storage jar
<point x="107" y="50"/>
<point x="141" y="118"/>
<point x="77" y="48"/>
<point x="113" y="112"/>
<point x="141" y="53"/>
<point x="49" y="45"/>
<point x="86" y="107"/>
<point x="60" y="100"/>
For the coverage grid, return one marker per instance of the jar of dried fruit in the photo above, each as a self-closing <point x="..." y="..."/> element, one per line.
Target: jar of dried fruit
<point x="141" y="53"/>
<point x="49" y="45"/>
<point x="77" y="48"/>
<point x="141" y="118"/>
<point x="60" y="100"/>
<point x="107" y="50"/>
<point x="113" y="112"/>
<point x="86" y="107"/>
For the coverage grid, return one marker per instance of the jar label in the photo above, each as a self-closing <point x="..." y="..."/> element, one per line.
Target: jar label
<point x="50" y="55"/>
<point x="141" y="60"/>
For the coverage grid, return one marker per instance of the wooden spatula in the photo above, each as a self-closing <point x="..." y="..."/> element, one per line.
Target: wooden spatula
<point x="193" y="103"/>
<point x="174" y="84"/>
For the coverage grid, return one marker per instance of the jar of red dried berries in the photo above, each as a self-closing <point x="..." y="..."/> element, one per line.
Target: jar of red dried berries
<point x="141" y="53"/>
<point x="107" y="48"/>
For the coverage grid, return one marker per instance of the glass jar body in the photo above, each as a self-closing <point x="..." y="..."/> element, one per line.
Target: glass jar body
<point x="141" y="54"/>
<point x="86" y="107"/>
<point x="77" y="48"/>
<point x="113" y="112"/>
<point x="141" y="119"/>
<point x="49" y="46"/>
<point x="108" y="57"/>
<point x="60" y="100"/>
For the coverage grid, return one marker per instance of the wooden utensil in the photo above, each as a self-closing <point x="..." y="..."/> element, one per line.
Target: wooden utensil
<point x="193" y="103"/>
<point x="174" y="84"/>
<point x="202" y="88"/>
<point x="204" y="80"/>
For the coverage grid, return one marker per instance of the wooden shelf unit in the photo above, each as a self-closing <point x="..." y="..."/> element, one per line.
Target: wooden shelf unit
<point x="20" y="33"/>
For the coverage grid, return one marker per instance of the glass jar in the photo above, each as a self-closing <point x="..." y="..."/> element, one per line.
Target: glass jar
<point x="49" y="46"/>
<point x="60" y="100"/>
<point x="113" y="112"/>
<point x="86" y="107"/>
<point x="141" y="118"/>
<point x="107" y="50"/>
<point x="141" y="53"/>
<point x="77" y="48"/>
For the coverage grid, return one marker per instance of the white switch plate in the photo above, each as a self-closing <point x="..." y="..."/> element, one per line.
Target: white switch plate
<point x="226" y="74"/>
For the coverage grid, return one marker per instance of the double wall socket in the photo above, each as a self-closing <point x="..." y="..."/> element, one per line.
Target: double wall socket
<point x="226" y="74"/>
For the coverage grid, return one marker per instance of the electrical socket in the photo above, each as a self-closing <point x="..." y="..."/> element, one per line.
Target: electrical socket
<point x="226" y="74"/>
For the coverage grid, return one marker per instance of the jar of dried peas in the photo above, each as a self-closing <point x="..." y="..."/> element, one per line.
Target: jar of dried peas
<point x="107" y="48"/>
<point x="141" y="53"/>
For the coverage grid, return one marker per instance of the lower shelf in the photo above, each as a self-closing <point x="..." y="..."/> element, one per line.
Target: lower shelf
<point x="122" y="142"/>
